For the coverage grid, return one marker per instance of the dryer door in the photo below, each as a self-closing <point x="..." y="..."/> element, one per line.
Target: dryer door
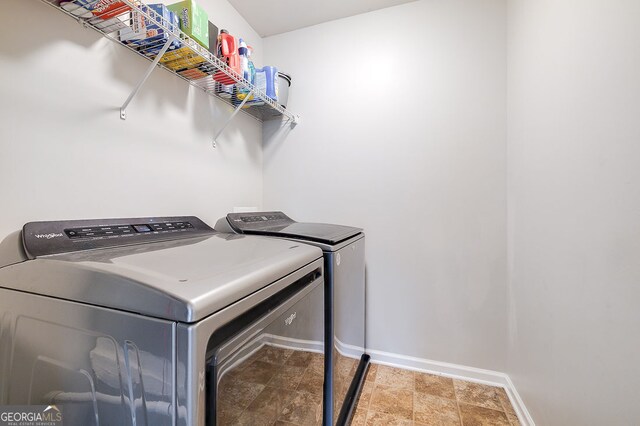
<point x="268" y="363"/>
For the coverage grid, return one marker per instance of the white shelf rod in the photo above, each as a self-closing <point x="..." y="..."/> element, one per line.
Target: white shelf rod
<point x="123" y="108"/>
<point x="236" y="111"/>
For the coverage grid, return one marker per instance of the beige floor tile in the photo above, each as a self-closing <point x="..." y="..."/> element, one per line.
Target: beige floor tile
<point x="268" y="405"/>
<point x="365" y="395"/>
<point x="359" y="417"/>
<point x="393" y="401"/>
<point x="372" y="372"/>
<point x="299" y="359"/>
<point x="435" y="385"/>
<point x="258" y="372"/>
<point x="384" y="419"/>
<point x="395" y="377"/>
<point x="251" y="418"/>
<point x="287" y="377"/>
<point x="504" y="400"/>
<point x="473" y="415"/>
<point x="312" y="381"/>
<point x="238" y="394"/>
<point x="304" y="409"/>
<point x="227" y="414"/>
<point x="477" y="394"/>
<point x="316" y="361"/>
<point x="431" y="410"/>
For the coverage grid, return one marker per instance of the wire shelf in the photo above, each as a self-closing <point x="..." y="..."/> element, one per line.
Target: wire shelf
<point x="142" y="30"/>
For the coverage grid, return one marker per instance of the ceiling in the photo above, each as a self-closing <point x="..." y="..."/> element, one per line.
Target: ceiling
<point x="270" y="17"/>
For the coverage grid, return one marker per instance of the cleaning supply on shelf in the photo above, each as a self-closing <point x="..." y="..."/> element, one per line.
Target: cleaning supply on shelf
<point x="244" y="60"/>
<point x="252" y="68"/>
<point x="228" y="53"/>
<point x="107" y="9"/>
<point x="102" y="9"/>
<point x="248" y="70"/>
<point x="194" y="20"/>
<point x="96" y="11"/>
<point x="266" y="81"/>
<point x="224" y="90"/>
<point x="148" y="35"/>
<point x="181" y="59"/>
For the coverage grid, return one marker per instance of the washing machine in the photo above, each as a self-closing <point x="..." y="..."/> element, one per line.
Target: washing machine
<point x="343" y="249"/>
<point x="160" y="321"/>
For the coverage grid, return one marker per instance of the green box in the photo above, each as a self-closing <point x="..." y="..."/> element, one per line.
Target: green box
<point x="194" y="20"/>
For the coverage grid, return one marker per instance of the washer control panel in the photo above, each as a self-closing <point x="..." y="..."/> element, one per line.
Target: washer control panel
<point x="116" y="230"/>
<point x="55" y="237"/>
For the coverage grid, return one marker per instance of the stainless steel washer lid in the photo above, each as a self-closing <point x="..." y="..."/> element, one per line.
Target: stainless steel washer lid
<point x="182" y="279"/>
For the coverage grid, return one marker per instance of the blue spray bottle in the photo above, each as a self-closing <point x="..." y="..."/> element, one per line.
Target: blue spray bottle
<point x="248" y="69"/>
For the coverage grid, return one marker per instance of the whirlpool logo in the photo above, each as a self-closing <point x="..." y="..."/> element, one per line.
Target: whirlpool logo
<point x="30" y="415"/>
<point x="48" y="236"/>
<point x="290" y="318"/>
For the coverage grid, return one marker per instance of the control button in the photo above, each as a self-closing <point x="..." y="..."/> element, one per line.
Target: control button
<point x="142" y="228"/>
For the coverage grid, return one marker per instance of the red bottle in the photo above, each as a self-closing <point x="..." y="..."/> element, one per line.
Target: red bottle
<point x="228" y="53"/>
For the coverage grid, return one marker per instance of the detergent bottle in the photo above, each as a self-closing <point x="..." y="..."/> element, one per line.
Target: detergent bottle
<point x="244" y="59"/>
<point x="252" y="68"/>
<point x="248" y="71"/>
<point x="266" y="81"/>
<point x="228" y="53"/>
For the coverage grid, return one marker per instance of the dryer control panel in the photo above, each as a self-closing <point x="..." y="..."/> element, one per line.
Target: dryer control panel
<point x="278" y="224"/>
<point x="55" y="237"/>
<point x="255" y="221"/>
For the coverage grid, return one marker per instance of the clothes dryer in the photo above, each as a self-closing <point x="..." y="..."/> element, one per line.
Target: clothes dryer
<point x="343" y="249"/>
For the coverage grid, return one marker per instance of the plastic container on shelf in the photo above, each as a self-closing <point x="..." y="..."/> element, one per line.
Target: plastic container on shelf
<point x="243" y="52"/>
<point x="248" y="70"/>
<point x="284" y="83"/>
<point x="228" y="53"/>
<point x="224" y="90"/>
<point x="266" y="81"/>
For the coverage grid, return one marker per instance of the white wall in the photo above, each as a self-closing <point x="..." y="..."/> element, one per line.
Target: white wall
<point x="574" y="209"/>
<point x="65" y="153"/>
<point x="403" y="134"/>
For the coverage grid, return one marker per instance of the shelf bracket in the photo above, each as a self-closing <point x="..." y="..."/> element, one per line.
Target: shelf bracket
<point x="231" y="117"/>
<point x="123" y="108"/>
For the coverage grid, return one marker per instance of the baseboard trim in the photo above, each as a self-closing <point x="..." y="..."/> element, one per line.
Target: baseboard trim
<point x="456" y="371"/>
<point x="290" y="343"/>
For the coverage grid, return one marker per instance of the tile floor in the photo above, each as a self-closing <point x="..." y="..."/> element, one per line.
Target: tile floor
<point x="392" y="396"/>
<point x="274" y="386"/>
<point x="284" y="387"/>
